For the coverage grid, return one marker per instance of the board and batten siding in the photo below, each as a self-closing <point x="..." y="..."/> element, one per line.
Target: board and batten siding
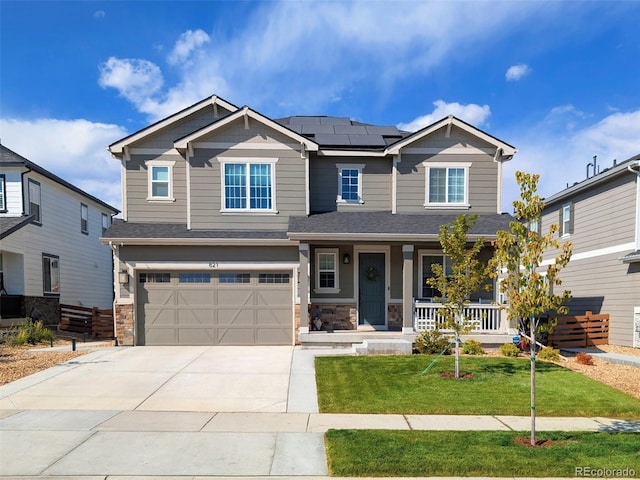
<point x="85" y="263"/>
<point x="375" y="188"/>
<point x="139" y="208"/>
<point x="483" y="181"/>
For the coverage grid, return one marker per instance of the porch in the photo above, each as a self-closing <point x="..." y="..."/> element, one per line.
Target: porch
<point x="490" y="327"/>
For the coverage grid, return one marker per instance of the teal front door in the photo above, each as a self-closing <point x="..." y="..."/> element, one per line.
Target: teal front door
<point x="371" y="280"/>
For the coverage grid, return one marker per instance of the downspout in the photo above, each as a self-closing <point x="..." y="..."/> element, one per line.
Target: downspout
<point x="637" y="172"/>
<point x="394" y="184"/>
<point x="498" y="158"/>
<point x="188" y="156"/>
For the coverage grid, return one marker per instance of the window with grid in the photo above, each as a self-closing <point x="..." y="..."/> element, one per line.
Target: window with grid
<point x="349" y="183"/>
<point x="446" y="185"/>
<point x="106" y="222"/>
<point x="160" y="187"/>
<point x="327" y="270"/>
<point x="273" y="278"/>
<point x="154" y="277"/>
<point x="34" y="201"/>
<point x="427" y="272"/>
<point x="195" y="277"/>
<point x="84" y="218"/>
<point x="234" y="278"/>
<point x="248" y="186"/>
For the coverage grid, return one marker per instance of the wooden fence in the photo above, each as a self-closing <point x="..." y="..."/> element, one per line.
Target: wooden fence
<point x="96" y="323"/>
<point x="581" y="331"/>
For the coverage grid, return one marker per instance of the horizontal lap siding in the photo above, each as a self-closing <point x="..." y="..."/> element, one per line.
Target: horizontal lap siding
<point x="605" y="285"/>
<point x="376" y="184"/>
<point x="139" y="209"/>
<point x="483" y="181"/>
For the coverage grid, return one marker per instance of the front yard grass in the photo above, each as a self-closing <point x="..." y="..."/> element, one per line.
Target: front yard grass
<point x="354" y="453"/>
<point x="501" y="386"/>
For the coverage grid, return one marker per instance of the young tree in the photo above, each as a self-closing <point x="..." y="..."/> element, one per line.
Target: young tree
<point x="528" y="287"/>
<point x="466" y="275"/>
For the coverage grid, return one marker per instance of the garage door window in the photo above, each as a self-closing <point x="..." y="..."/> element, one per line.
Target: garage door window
<point x="234" y="278"/>
<point x="194" y="278"/>
<point x="273" y="278"/>
<point x="155" y="277"/>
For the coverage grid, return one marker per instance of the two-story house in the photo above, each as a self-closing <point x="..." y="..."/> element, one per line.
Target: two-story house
<point x="600" y="216"/>
<point x="242" y="229"/>
<point x="50" y="248"/>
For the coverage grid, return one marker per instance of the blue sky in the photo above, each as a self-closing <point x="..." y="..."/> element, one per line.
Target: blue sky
<point x="558" y="80"/>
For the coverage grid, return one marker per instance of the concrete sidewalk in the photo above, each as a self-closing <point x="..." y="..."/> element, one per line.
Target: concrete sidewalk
<point x="139" y="439"/>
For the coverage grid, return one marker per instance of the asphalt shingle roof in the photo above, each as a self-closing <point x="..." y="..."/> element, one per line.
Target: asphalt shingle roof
<point x="121" y="229"/>
<point x="8" y="225"/>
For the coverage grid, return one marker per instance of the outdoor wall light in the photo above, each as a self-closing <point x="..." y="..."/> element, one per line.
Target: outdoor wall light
<point x="346" y="259"/>
<point x="123" y="277"/>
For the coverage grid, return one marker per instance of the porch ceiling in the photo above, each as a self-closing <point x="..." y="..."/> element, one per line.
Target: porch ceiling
<point x="387" y="226"/>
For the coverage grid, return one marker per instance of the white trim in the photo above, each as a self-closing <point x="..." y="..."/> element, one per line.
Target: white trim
<point x="466" y="166"/>
<point x="151" y="164"/>
<point x="394" y="183"/>
<point x="350" y="166"/>
<point x="213" y="265"/>
<point x="316" y="267"/>
<point x="307" y="184"/>
<point x="388" y="236"/>
<point x="248" y="161"/>
<point x="637" y="211"/>
<point x="123" y="188"/>
<point x="624" y="247"/>
<point x="350" y="153"/>
<point x="563" y="234"/>
<point x="188" y="168"/>
<point x="386" y="250"/>
<point x="499" y="199"/>
<point x="201" y="241"/>
<point x="152" y="151"/>
<point x="245" y="145"/>
<point x="448" y="151"/>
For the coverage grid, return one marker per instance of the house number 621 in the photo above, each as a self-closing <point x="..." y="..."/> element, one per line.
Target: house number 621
<point x="213" y="264"/>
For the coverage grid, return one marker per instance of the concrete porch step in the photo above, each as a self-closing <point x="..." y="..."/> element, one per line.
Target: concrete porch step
<point x="381" y="346"/>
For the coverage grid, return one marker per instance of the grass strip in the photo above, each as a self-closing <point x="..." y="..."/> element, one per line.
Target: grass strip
<point x="380" y="453"/>
<point x="500" y="386"/>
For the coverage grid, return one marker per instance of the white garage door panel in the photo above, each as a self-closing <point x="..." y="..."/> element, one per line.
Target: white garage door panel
<point x="214" y="313"/>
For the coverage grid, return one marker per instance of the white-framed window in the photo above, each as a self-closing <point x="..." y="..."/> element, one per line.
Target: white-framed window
<point x="84" y="218"/>
<point x="427" y="260"/>
<point x="160" y="180"/>
<point x="566" y="220"/>
<point x="446" y="185"/>
<point x="106" y="222"/>
<point x="248" y="185"/>
<point x="3" y="193"/>
<point x="534" y="226"/>
<point x="327" y="275"/>
<point x="50" y="274"/>
<point x="350" y="183"/>
<point x="35" y="206"/>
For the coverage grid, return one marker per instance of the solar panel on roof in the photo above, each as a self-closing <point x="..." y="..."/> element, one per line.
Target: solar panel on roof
<point x="390" y="131"/>
<point x="350" y="130"/>
<point x="317" y="129"/>
<point x="304" y="121"/>
<point x="368" y="140"/>
<point x="333" y="139"/>
<point x="335" y="121"/>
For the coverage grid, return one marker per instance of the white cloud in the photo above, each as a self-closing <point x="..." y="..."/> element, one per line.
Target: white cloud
<point x="99" y="14"/>
<point x="188" y="42"/>
<point x="471" y="113"/>
<point x="560" y="155"/>
<point x="135" y="79"/>
<point x="72" y="149"/>
<point x="516" y="72"/>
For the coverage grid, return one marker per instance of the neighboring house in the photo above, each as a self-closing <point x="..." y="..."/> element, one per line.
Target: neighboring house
<point x="242" y="229"/>
<point x="50" y="248"/>
<point x="600" y="216"/>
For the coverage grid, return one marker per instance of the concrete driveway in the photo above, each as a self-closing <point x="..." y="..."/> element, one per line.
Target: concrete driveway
<point x="178" y="379"/>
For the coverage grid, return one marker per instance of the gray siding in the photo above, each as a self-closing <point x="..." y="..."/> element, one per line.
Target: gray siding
<point x="376" y="183"/>
<point x="345" y="273"/>
<point x="139" y="209"/>
<point x="396" y="272"/>
<point x="206" y="184"/>
<point x="483" y="182"/>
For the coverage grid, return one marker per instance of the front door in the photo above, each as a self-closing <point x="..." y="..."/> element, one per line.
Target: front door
<point x="371" y="280"/>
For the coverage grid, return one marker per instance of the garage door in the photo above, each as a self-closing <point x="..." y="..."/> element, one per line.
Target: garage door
<point x="215" y="308"/>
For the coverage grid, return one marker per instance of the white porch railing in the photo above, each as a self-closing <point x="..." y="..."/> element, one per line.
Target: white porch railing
<point x="485" y="318"/>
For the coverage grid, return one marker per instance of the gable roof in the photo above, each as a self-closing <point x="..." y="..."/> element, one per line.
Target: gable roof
<point x="607" y="174"/>
<point x="9" y="158"/>
<point x="508" y="151"/>
<point x="118" y="147"/>
<point x="8" y="225"/>
<point x="182" y="143"/>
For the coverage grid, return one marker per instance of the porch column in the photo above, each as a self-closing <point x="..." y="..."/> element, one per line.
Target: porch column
<point x="303" y="287"/>
<point x="407" y="289"/>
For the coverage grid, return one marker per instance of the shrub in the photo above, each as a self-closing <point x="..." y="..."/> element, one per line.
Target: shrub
<point x="549" y="354"/>
<point x="32" y="332"/>
<point x="432" y="342"/>
<point x="584" y="358"/>
<point x="509" y="350"/>
<point x="472" y="347"/>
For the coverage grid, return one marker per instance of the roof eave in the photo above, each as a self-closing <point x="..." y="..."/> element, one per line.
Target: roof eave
<point x="387" y="237"/>
<point x="135" y="241"/>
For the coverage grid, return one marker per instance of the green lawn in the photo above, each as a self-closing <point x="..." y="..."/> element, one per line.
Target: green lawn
<point x="484" y="454"/>
<point x="394" y="384"/>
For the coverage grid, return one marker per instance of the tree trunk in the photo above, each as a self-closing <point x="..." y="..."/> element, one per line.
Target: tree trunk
<point x="532" y="349"/>
<point x="457" y="356"/>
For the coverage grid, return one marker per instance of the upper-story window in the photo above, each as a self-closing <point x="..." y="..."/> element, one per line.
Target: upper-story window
<point x="106" y="222"/>
<point x="350" y="183"/>
<point x="327" y="270"/>
<point x="3" y="194"/>
<point x="566" y="220"/>
<point x="447" y="185"/>
<point x="35" y="208"/>
<point x="84" y="218"/>
<point x="160" y="180"/>
<point x="534" y="226"/>
<point x="248" y="185"/>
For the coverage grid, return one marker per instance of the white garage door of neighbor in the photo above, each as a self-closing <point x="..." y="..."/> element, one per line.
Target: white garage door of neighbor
<point x="215" y="308"/>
